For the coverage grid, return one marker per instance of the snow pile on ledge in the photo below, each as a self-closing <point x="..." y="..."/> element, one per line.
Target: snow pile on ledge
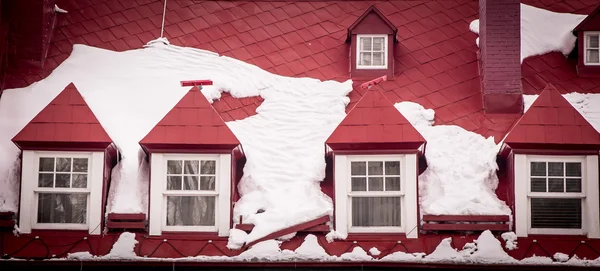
<point x="131" y="91"/>
<point x="460" y="178"/>
<point x="588" y="105"/>
<point x="543" y="31"/>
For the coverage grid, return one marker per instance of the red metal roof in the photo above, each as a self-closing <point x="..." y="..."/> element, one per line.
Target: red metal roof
<point x="377" y="12"/>
<point x="374" y="123"/>
<point x="193" y="124"/>
<point x="435" y="58"/>
<point x="591" y="22"/>
<point x="552" y="121"/>
<point x="66" y="123"/>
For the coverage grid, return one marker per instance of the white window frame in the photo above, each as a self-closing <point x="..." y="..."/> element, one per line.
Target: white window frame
<point x="589" y="195"/>
<point x="30" y="192"/>
<point x="159" y="193"/>
<point x="408" y="192"/>
<point x="385" y="52"/>
<point x="585" y="48"/>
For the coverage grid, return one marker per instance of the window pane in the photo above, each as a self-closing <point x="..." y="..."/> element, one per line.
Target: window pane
<point x="555" y="169"/>
<point x="593" y="56"/>
<point x="378" y="44"/>
<point x="208" y="167"/>
<point x="538" y="185"/>
<point x="573" y="185"/>
<point x="173" y="182"/>
<point x="365" y="59"/>
<point x="538" y="168"/>
<point x="573" y="169"/>
<point x="63" y="164"/>
<point x="173" y="167"/>
<point x="377" y="59"/>
<point x="46" y="164"/>
<point x="190" y="183"/>
<point x="392" y="168"/>
<point x="556" y="185"/>
<point x="358" y="168"/>
<point x="191" y="167"/>
<point x="80" y="164"/>
<point x="375" y="183"/>
<point x="556" y="213"/>
<point x="62" y="208"/>
<point x="46" y="180"/>
<point x="392" y="183"/>
<point x="191" y="211"/>
<point x="79" y="181"/>
<point x="63" y="180"/>
<point x="376" y="168"/>
<point x="592" y="41"/>
<point x="375" y="211"/>
<point x="359" y="184"/>
<point x="365" y="44"/>
<point x="207" y="183"/>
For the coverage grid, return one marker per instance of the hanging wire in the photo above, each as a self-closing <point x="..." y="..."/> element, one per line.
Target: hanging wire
<point x="162" y="28"/>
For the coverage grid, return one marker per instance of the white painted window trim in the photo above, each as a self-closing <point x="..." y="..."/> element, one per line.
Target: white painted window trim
<point x="589" y="195"/>
<point x="408" y="191"/>
<point x="385" y="52"/>
<point x="30" y="191"/>
<point x="585" y="48"/>
<point x="158" y="193"/>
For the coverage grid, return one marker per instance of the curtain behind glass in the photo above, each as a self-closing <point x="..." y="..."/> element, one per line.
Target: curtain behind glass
<point x="191" y="210"/>
<point x="376" y="211"/>
<point x="62" y="208"/>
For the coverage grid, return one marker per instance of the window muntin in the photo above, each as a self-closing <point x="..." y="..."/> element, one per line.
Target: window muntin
<point x="190" y="195"/>
<point x="592" y="48"/>
<point x="375" y="195"/>
<point x="555" y="194"/>
<point x="62" y="192"/>
<point x="371" y="52"/>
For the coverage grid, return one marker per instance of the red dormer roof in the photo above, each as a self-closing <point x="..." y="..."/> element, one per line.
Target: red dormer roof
<point x="192" y="125"/>
<point x="553" y="123"/>
<point x="67" y="123"/>
<point x="375" y="124"/>
<point x="591" y="22"/>
<point x="372" y="21"/>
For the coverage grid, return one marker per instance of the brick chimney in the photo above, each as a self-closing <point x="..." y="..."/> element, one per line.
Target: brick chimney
<point x="500" y="55"/>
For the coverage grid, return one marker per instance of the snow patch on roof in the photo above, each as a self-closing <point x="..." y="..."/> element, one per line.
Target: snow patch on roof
<point x="588" y="105"/>
<point x="460" y="178"/>
<point x="131" y="91"/>
<point x="543" y="31"/>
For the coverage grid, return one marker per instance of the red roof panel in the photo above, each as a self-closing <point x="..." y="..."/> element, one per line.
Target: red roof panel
<point x="374" y="119"/>
<point x="552" y="120"/>
<point x="193" y="124"/>
<point x="66" y="123"/>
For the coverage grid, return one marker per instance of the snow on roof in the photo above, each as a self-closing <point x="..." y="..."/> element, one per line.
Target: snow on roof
<point x="588" y="105"/>
<point x="543" y="31"/>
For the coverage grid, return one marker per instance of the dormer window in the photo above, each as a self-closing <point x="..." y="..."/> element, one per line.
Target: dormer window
<point x="372" y="52"/>
<point x="372" y="38"/>
<point x="592" y="48"/>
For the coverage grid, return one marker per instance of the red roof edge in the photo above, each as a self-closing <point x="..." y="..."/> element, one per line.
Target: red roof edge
<point x="296" y="228"/>
<point x="372" y="8"/>
<point x="586" y="20"/>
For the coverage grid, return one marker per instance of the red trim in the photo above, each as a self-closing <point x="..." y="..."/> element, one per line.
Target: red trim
<point x="188" y="235"/>
<point x="375" y="237"/>
<point x="318" y="228"/>
<point x="370" y="147"/>
<point x="292" y="229"/>
<point x="126" y="217"/>
<point x="61" y="146"/>
<point x="585" y="21"/>
<point x="9" y="224"/>
<point x="245" y="227"/>
<point x="193" y="83"/>
<point x="188" y="148"/>
<point x="364" y="15"/>
<point x="376" y="152"/>
<point x="139" y="225"/>
<point x="465" y="227"/>
<point x="466" y="218"/>
<point x="555" y="152"/>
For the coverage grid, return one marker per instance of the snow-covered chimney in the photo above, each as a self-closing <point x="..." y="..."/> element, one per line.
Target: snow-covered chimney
<point x="500" y="55"/>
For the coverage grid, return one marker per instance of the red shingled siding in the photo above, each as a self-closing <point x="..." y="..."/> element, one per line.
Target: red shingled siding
<point x="500" y="46"/>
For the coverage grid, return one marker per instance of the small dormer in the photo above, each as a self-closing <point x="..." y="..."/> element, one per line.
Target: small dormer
<point x="588" y="36"/>
<point x="372" y="39"/>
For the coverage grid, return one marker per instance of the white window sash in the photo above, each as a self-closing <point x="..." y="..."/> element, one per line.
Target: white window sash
<point x="589" y="195"/>
<point x="30" y="191"/>
<point x="385" y="52"/>
<point x="159" y="193"/>
<point x="587" y="34"/>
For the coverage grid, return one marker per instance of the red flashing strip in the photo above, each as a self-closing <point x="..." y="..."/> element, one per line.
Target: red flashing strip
<point x="373" y="82"/>
<point x="193" y="83"/>
<point x="466" y="218"/>
<point x="465" y="227"/>
<point x="295" y="228"/>
<point x="127" y="217"/>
